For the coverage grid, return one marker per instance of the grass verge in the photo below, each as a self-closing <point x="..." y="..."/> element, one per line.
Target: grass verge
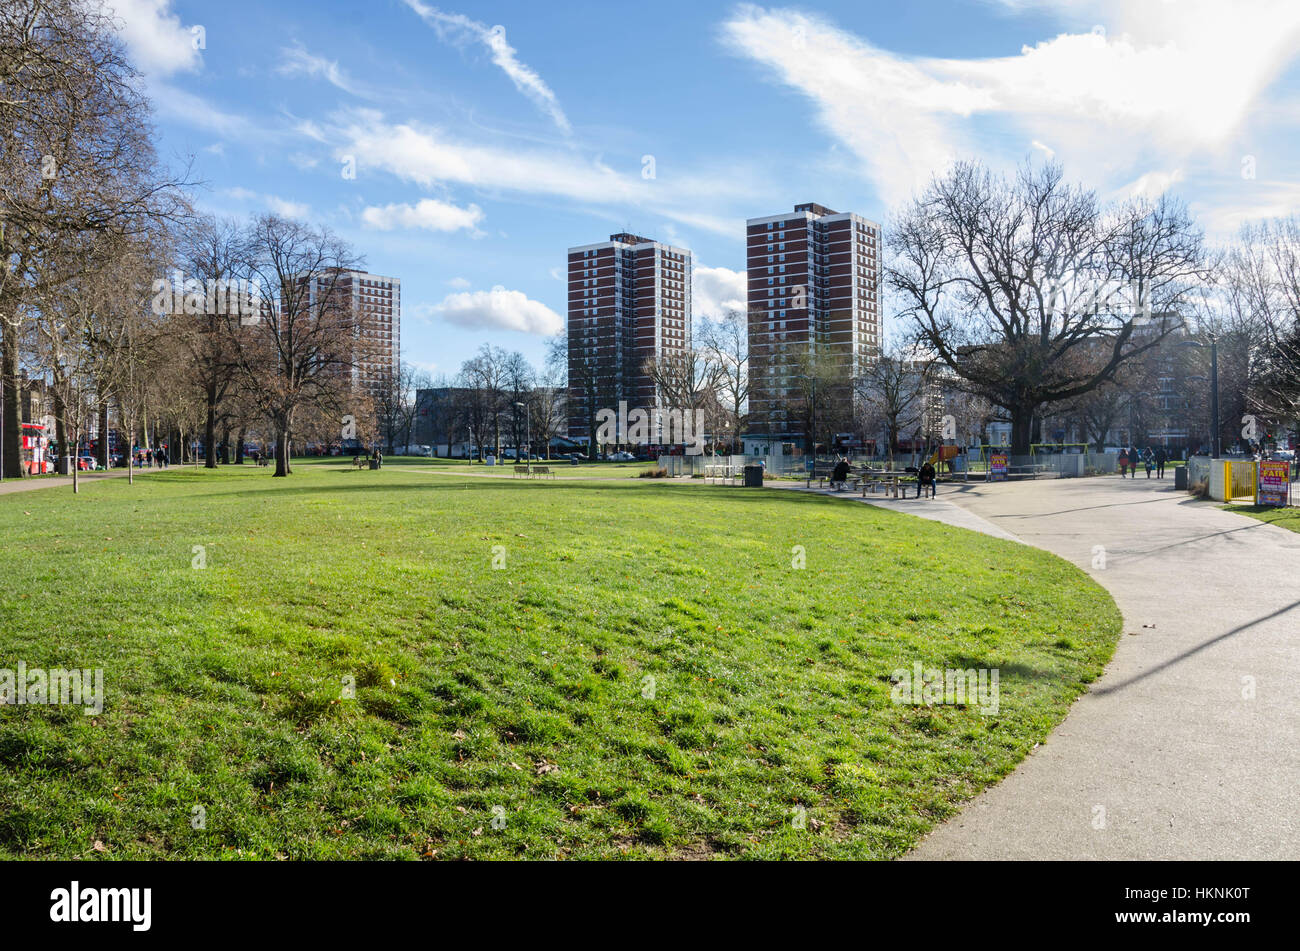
<point x="644" y="674"/>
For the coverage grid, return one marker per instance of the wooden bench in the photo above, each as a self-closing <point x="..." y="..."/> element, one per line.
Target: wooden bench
<point x="821" y="473"/>
<point x="536" y="471"/>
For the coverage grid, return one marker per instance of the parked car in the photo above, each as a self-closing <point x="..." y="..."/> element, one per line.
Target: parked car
<point x="623" y="457"/>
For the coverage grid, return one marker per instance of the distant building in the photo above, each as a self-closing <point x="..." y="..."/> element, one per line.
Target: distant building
<point x="814" y="278"/>
<point x="629" y="302"/>
<point x="376" y="303"/>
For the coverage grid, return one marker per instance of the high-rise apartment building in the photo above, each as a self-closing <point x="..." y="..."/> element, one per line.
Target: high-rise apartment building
<point x="629" y="303"/>
<point x="375" y="303"/>
<point x="814" y="280"/>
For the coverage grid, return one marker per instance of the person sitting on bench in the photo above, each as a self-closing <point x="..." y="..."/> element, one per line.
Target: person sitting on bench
<point x="925" y="478"/>
<point x="840" y="475"/>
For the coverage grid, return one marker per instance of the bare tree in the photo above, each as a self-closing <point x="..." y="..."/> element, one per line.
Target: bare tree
<point x="726" y="341"/>
<point x="1261" y="296"/>
<point x="303" y="348"/>
<point x="686" y="380"/>
<point x="395" y="405"/>
<point x="891" y="394"/>
<point x="77" y="151"/>
<point x="482" y="401"/>
<point x="1003" y="279"/>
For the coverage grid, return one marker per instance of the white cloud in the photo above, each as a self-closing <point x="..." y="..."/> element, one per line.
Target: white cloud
<point x="1166" y="81"/>
<point x="303" y="162"/>
<point x="1152" y="184"/>
<point x="500" y="309"/>
<point x="157" y="41"/>
<point x="183" y="107"/>
<point x="428" y="214"/>
<point x="526" y="80"/>
<point x="459" y="282"/>
<point x="715" y="290"/>
<point x="431" y="158"/>
<point x="280" y="206"/>
<point x="296" y="60"/>
<point x="287" y="209"/>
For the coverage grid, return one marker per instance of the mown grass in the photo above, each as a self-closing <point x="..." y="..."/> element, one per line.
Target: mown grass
<point x="560" y="468"/>
<point x="1288" y="517"/>
<point x="647" y="675"/>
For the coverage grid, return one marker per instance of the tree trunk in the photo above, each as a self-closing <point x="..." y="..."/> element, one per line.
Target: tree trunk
<point x="61" y="424"/>
<point x="103" y="456"/>
<point x="13" y="460"/>
<point x="1022" y="425"/>
<point x="239" y="446"/>
<point x="210" y="434"/>
<point x="282" y="467"/>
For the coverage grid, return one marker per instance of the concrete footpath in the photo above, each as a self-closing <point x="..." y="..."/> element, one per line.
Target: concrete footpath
<point x="1188" y="747"/>
<point x="10" y="486"/>
<point x="937" y="509"/>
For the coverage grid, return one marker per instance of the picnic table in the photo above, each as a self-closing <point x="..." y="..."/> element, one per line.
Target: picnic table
<point x="865" y="478"/>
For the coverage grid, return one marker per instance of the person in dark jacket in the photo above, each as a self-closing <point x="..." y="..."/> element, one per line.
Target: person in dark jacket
<point x="1161" y="458"/>
<point x="840" y="474"/>
<point x="925" y="478"/>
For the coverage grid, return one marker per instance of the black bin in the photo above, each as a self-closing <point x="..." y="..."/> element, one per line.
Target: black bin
<point x="1180" y="478"/>
<point x="753" y="477"/>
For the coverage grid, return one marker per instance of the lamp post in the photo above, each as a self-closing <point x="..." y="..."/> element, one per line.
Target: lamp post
<point x="1214" y="388"/>
<point x="528" y="438"/>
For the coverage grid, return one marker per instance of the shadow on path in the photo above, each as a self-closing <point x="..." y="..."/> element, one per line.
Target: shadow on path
<point x="1191" y="652"/>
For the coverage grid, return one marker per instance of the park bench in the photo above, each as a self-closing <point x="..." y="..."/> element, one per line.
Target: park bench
<point x="536" y="471"/>
<point x="821" y="472"/>
<point x="720" y="471"/>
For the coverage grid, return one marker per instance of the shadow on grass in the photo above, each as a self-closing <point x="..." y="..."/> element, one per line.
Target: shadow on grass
<point x="286" y="487"/>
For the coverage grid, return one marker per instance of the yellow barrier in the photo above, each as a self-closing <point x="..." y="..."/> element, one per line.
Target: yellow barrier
<point x="1238" y="480"/>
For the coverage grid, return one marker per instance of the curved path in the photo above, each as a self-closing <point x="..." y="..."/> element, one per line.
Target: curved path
<point x="1188" y="746"/>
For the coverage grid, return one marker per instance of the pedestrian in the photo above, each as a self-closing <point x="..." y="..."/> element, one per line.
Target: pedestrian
<point x="1149" y="460"/>
<point x="840" y="475"/>
<point x="1123" y="463"/>
<point x="1161" y="458"/>
<point x="925" y="478"/>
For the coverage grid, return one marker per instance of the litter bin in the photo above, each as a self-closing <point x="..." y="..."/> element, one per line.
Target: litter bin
<point x="753" y="477"/>
<point x="1180" y="478"/>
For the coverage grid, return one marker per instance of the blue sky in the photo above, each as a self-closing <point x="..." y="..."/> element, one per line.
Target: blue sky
<point x="486" y="138"/>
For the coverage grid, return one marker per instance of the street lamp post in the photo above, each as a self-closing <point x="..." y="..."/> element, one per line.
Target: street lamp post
<point x="528" y="438"/>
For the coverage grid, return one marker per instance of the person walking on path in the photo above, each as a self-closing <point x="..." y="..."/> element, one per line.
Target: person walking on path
<point x="925" y="478"/>
<point x="1161" y="458"/>
<point x="1123" y="463"/>
<point x="1149" y="460"/>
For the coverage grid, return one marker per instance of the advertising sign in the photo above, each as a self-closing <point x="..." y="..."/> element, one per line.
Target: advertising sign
<point x="997" y="466"/>
<point x="1273" y="486"/>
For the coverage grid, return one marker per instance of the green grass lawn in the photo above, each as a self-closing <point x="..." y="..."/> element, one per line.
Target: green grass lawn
<point x="1288" y="517"/>
<point x="647" y="675"/>
<point x="561" y="468"/>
